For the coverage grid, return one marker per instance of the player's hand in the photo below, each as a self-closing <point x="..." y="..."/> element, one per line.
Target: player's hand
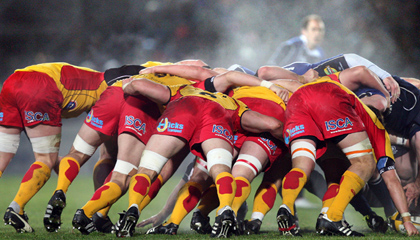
<point x="281" y="92"/>
<point x="126" y="81"/>
<point x="392" y="87"/>
<point x="154" y="220"/>
<point x="412" y="192"/>
<point x="147" y="70"/>
<point x="310" y="76"/>
<point x="411" y="230"/>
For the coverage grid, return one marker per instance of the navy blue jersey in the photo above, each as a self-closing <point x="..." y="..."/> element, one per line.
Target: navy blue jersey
<point x="325" y="67"/>
<point x="295" y="50"/>
<point x="403" y="119"/>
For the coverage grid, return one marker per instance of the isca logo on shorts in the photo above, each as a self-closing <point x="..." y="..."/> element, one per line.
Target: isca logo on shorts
<point x="222" y="131"/>
<point x="131" y="121"/>
<point x="1" y="116"/>
<point x="165" y="125"/>
<point x="270" y="144"/>
<point x="36" y="116"/>
<point x="340" y="123"/>
<point x="94" y="120"/>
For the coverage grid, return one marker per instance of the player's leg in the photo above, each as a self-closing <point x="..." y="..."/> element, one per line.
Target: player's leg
<point x="106" y="162"/>
<point x="250" y="162"/>
<point x="151" y="163"/>
<point x="45" y="141"/>
<point x="358" y="150"/>
<point x="128" y="158"/>
<point x="86" y="142"/>
<point x="219" y="162"/>
<point x="9" y="139"/>
<point x="266" y="193"/>
<point x="303" y="153"/>
<point x="188" y="197"/>
<point x="166" y="173"/>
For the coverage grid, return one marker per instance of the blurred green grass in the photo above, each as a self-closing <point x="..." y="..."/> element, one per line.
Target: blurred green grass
<point x="82" y="189"/>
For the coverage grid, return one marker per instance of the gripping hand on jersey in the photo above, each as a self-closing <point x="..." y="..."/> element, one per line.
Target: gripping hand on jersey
<point x="281" y="92"/>
<point x="392" y="87"/>
<point x="412" y="192"/>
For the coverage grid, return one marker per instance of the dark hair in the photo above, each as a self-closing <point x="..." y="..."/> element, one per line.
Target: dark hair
<point x="378" y="114"/>
<point x="307" y="19"/>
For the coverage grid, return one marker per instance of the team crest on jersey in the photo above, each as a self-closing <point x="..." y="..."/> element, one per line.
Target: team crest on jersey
<point x="136" y="124"/>
<point x="1" y="116"/>
<point x="71" y="105"/>
<point x="338" y="125"/>
<point x="222" y="131"/>
<point x="165" y="125"/>
<point x="328" y="70"/>
<point x="291" y="132"/>
<point x="94" y="120"/>
<point x="36" y="116"/>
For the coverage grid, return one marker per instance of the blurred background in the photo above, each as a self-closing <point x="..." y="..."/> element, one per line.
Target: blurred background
<point x="101" y="34"/>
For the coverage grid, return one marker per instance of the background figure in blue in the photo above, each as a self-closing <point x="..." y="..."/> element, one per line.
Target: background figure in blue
<point x="303" y="48"/>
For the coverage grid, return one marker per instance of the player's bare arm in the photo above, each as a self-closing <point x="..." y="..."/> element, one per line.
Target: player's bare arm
<point x="356" y="77"/>
<point x="397" y="194"/>
<point x="156" y="92"/>
<point x="257" y="123"/>
<point x="184" y="71"/>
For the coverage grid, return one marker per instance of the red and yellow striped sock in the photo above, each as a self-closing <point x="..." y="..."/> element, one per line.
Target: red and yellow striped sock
<point x="34" y="179"/>
<point x="350" y="185"/>
<point x="68" y="170"/>
<point x="226" y="189"/>
<point x="329" y="197"/>
<point x="209" y="200"/>
<point x="153" y="191"/>
<point x="188" y="197"/>
<point x="243" y="189"/>
<point x="264" y="198"/>
<point x="103" y="197"/>
<point x="139" y="187"/>
<point x="292" y="184"/>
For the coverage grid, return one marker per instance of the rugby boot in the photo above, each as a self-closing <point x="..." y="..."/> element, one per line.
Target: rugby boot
<point x="82" y="223"/>
<point x="327" y="227"/>
<point x="52" y="217"/>
<point x="287" y="222"/>
<point x="126" y="224"/>
<point x="225" y="224"/>
<point x="376" y="223"/>
<point x="200" y="223"/>
<point x="252" y="226"/>
<point x="169" y="229"/>
<point x="103" y="225"/>
<point x="19" y="222"/>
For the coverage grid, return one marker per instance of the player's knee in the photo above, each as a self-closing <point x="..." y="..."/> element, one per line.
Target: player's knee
<point x="47" y="144"/>
<point x="359" y="149"/>
<point x="152" y="161"/>
<point x="303" y="149"/>
<point x="82" y="146"/>
<point x="9" y="142"/>
<point x="201" y="164"/>
<point x="219" y="156"/>
<point x="361" y="152"/>
<point x="250" y="162"/>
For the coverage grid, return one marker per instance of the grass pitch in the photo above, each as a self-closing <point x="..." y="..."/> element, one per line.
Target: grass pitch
<point x="82" y="189"/>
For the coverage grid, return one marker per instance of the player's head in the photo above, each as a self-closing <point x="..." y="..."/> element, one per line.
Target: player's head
<point x="313" y="28"/>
